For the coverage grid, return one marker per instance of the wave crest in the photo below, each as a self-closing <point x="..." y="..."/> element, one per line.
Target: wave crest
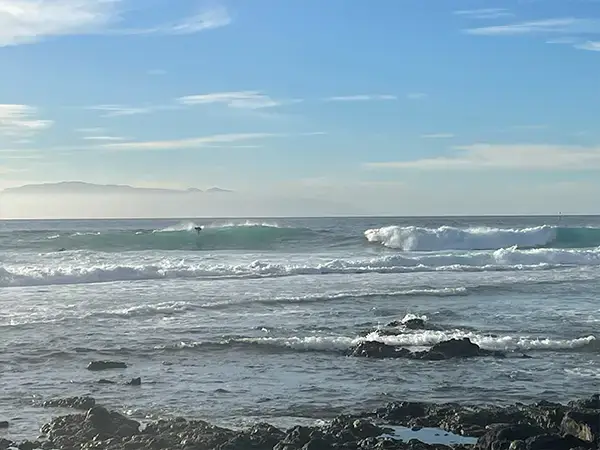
<point x="412" y="238"/>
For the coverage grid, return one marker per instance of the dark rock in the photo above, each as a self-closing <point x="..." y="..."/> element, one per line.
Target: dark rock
<point x="375" y="349"/>
<point x="553" y="442"/>
<point x="414" y="324"/>
<point x="3" y="424"/>
<point x="453" y="348"/>
<point x="584" y="424"/>
<point x="83" y="403"/>
<point x="500" y="436"/>
<point x="106" y="365"/>
<point x="589" y="403"/>
<point x="135" y="382"/>
<point x="29" y="445"/>
<point x="105" y="381"/>
<point x="400" y="413"/>
<point x="5" y="444"/>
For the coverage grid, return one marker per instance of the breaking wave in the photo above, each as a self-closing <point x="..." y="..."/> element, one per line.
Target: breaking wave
<point x="414" y="238"/>
<point x="510" y="259"/>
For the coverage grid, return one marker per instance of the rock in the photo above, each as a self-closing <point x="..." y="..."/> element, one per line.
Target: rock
<point x="502" y="435"/>
<point x="584" y="424"/>
<point x="6" y="444"/>
<point x="106" y="365"/>
<point x="376" y="349"/>
<point x="135" y="382"/>
<point x="589" y="403"/>
<point x="453" y="348"/>
<point x="3" y="424"/>
<point x="553" y="442"/>
<point x="84" y="403"/>
<point x="400" y="413"/>
<point x="414" y="324"/>
<point x="105" y="381"/>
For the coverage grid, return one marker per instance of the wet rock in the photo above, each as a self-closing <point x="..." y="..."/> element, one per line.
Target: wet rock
<point x="106" y="365"/>
<point x="589" y="403"/>
<point x="501" y="436"/>
<point x="83" y="403"/>
<point x="5" y="444"/>
<point x="3" y="424"/>
<point x="411" y="324"/>
<point x="375" y="349"/>
<point x="453" y="348"/>
<point x="553" y="442"/>
<point x="400" y="413"/>
<point x="30" y="445"/>
<point x="583" y="424"/>
<point x="135" y="382"/>
<point x="105" y="381"/>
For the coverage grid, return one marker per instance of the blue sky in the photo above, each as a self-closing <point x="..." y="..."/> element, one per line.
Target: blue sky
<point x="399" y="98"/>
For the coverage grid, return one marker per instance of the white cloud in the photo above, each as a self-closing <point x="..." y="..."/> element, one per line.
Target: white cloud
<point x="28" y="21"/>
<point x="593" y="46"/>
<point x="361" y="97"/>
<point x="19" y="120"/>
<point x="124" y="110"/>
<point x="94" y="130"/>
<point x="240" y="99"/>
<point x="484" y="13"/>
<point x="205" y="20"/>
<point x="545" y="26"/>
<point x="498" y="156"/>
<point x="198" y="142"/>
<point x="437" y="136"/>
<point x="416" y="95"/>
<point x="104" y="138"/>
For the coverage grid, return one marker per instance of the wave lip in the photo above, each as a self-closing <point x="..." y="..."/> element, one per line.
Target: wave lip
<point x="412" y="238"/>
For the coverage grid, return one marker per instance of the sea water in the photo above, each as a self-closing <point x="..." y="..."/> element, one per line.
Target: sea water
<point x="250" y="320"/>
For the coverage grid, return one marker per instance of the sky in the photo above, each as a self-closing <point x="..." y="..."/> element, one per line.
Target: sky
<point x="398" y="107"/>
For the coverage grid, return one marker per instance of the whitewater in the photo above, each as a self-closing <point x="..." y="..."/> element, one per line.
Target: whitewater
<point x="252" y="319"/>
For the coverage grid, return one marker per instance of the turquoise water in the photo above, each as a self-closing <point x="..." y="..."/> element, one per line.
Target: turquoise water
<point x="249" y="319"/>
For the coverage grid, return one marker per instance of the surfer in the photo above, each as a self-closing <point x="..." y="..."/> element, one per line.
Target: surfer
<point x="198" y="229"/>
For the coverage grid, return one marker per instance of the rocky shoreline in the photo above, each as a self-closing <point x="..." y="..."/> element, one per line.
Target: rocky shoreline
<point x="538" y="426"/>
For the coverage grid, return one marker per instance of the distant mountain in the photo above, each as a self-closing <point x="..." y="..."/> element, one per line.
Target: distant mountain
<point x="80" y="187"/>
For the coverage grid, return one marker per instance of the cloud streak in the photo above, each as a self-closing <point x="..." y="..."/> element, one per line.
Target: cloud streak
<point x="196" y="142"/>
<point x="239" y="99"/>
<point x="361" y="98"/>
<point x="21" y="120"/>
<point x="567" y="25"/>
<point x="513" y="157"/>
<point x="484" y="13"/>
<point x="30" y="21"/>
<point x="437" y="136"/>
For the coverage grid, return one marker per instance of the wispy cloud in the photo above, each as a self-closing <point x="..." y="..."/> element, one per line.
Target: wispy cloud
<point x="437" y="136"/>
<point x="21" y="120"/>
<point x="93" y="130"/>
<point x="498" y="156"/>
<point x="484" y="13"/>
<point x="536" y="126"/>
<point x="361" y="98"/>
<point x="29" y="21"/>
<point x="104" y="138"/>
<point x="416" y="95"/>
<point x="205" y="20"/>
<point x="124" y="110"/>
<point x="196" y="142"/>
<point x="593" y="46"/>
<point x="567" y="25"/>
<point x="240" y="99"/>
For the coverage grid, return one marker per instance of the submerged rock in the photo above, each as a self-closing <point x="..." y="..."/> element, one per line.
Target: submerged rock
<point x="106" y="365"/>
<point x="135" y="382"/>
<point x="3" y="424"/>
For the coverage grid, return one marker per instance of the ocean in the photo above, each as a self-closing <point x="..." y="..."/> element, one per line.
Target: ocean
<point x="249" y="320"/>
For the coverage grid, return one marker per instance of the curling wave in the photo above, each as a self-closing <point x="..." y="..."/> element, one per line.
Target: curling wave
<point x="412" y="238"/>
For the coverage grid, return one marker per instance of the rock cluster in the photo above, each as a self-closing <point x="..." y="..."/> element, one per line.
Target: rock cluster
<point x="539" y="426"/>
<point x="453" y="348"/>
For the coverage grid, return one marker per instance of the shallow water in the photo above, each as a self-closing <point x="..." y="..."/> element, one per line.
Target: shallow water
<point x="244" y="321"/>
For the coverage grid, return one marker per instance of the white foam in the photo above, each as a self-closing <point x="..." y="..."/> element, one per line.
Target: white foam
<point x="425" y="338"/>
<point x="450" y="238"/>
<point x="86" y="268"/>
